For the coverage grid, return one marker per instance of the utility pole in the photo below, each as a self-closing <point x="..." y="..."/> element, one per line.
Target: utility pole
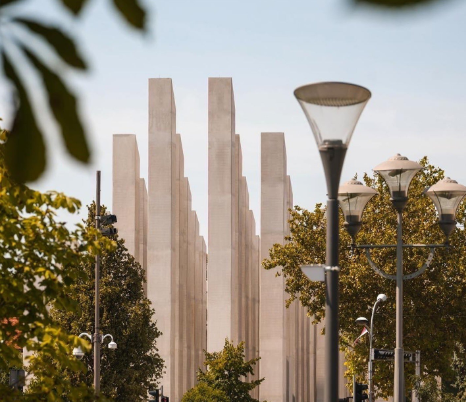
<point x="97" y="298"/>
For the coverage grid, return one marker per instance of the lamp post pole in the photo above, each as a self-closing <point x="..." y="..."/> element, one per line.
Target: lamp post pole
<point x="399" y="354"/>
<point x="332" y="154"/>
<point x="333" y="110"/>
<point x="97" y="298"/>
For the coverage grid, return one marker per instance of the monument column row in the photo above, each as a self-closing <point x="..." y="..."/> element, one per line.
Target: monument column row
<point x="284" y="332"/>
<point x="196" y="309"/>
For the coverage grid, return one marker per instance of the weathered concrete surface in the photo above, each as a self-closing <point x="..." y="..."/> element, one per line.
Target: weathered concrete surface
<point x="272" y="346"/>
<point x="176" y="262"/>
<point x="222" y="317"/>
<point x="284" y="332"/>
<point x="126" y="190"/>
<point x="143" y="207"/>
<point x="162" y="258"/>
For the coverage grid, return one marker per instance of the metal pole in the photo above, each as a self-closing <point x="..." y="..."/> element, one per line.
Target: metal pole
<point x="415" y="395"/>
<point x="398" y="392"/>
<point x="331" y="308"/>
<point x="97" y="298"/>
<point x="371" y="370"/>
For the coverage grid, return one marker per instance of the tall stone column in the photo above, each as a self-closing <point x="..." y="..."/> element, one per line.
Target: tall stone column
<point x="126" y="203"/>
<point x="204" y="301"/>
<point x="162" y="258"/>
<point x="190" y="295"/>
<point x="272" y="345"/>
<point x="320" y="362"/>
<point x="307" y="357"/>
<point x="312" y="363"/>
<point x="223" y="212"/>
<point x="182" y="360"/>
<point x="143" y="207"/>
<point x="255" y="295"/>
<point x="198" y="300"/>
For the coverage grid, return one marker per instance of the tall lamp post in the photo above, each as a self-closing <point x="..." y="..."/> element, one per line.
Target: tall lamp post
<point x="333" y="110"/>
<point x="398" y="172"/>
<point x="97" y="338"/>
<point x="363" y="321"/>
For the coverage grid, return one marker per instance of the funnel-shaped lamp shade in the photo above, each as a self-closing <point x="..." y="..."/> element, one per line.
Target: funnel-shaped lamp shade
<point x="398" y="172"/>
<point x="353" y="197"/>
<point x="446" y="195"/>
<point x="332" y="109"/>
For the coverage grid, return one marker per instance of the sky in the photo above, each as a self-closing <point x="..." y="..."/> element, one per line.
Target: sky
<point x="414" y="63"/>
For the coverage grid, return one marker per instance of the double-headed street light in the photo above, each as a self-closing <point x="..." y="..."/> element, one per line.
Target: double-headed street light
<point x="398" y="172"/>
<point x="79" y="353"/>
<point x="363" y="321"/>
<point x="333" y="110"/>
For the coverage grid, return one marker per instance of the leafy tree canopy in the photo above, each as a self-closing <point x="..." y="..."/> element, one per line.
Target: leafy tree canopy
<point x="38" y="262"/>
<point x="431" y="389"/>
<point x="434" y="308"/>
<point x="203" y="393"/>
<point x="126" y="314"/>
<point x="226" y="374"/>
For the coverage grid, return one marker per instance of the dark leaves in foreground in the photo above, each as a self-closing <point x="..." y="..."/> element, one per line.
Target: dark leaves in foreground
<point x="26" y="153"/>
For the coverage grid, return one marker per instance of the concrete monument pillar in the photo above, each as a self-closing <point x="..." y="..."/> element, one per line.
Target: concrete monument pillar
<point x="162" y="258"/>
<point x="198" y="299"/>
<point x="223" y="207"/>
<point x="190" y="307"/>
<point x="272" y="344"/>
<point x="182" y="361"/>
<point x="126" y="204"/>
<point x="204" y="301"/>
<point x="143" y="229"/>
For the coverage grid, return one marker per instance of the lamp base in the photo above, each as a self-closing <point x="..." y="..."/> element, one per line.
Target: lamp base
<point x="399" y="203"/>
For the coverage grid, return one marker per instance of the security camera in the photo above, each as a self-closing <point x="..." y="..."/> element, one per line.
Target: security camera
<point x="112" y="345"/>
<point x="78" y="353"/>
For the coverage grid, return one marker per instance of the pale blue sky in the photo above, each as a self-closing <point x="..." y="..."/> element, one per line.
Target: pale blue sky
<point x="414" y="64"/>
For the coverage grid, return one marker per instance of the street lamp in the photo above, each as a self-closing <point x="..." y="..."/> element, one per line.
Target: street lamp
<point x="79" y="353"/>
<point x="353" y="197"/>
<point x="446" y="196"/>
<point x="363" y="321"/>
<point x="398" y="172"/>
<point x="333" y="110"/>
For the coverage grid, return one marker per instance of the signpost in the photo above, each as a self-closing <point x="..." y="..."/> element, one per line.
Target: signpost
<point x="409" y="357"/>
<point x="387" y="354"/>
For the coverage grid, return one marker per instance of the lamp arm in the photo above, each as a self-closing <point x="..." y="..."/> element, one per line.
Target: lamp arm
<point x="111" y="338"/>
<point x="405" y="277"/>
<point x="85" y="334"/>
<point x="372" y="323"/>
<point x="376" y="268"/>
<point x="423" y="268"/>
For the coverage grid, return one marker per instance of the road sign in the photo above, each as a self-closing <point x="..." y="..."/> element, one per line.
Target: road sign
<point x="387" y="354"/>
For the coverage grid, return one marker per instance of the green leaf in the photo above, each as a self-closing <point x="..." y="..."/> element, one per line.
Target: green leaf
<point x="60" y="42"/>
<point x="7" y="2"/>
<point x="395" y="4"/>
<point x="63" y="105"/>
<point x="132" y="12"/>
<point x="75" y="6"/>
<point x="25" y="148"/>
